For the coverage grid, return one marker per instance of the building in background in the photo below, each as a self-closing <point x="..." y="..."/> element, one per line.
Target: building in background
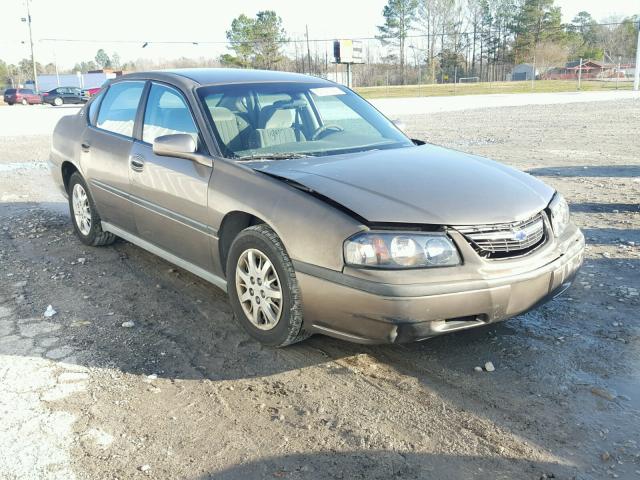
<point x="91" y="79"/>
<point x="590" y="69"/>
<point x="522" y="72"/>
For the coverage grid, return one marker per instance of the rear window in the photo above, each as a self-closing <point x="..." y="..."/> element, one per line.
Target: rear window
<point x="10" y="91"/>
<point x="93" y="107"/>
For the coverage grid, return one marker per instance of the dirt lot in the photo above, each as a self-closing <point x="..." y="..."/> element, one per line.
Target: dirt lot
<point x="185" y="394"/>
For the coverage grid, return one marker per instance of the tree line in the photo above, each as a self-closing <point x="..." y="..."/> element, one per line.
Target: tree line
<point x="437" y="40"/>
<point x="485" y="38"/>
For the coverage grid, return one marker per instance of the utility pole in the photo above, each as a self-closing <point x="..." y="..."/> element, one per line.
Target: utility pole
<point x="308" y="49"/>
<point x="455" y="79"/>
<point x="533" y="72"/>
<point x="636" y="80"/>
<point x="33" y="59"/>
<point x="580" y="75"/>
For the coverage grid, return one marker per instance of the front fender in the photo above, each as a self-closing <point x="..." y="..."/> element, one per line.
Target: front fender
<point x="311" y="230"/>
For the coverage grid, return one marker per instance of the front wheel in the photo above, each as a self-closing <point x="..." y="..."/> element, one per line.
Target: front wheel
<point x="85" y="218"/>
<point x="24" y="101"/>
<point x="263" y="288"/>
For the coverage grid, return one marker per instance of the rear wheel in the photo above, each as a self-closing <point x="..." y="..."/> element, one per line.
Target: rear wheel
<point x="84" y="216"/>
<point x="263" y="288"/>
<point x="24" y="101"/>
<point x="57" y="101"/>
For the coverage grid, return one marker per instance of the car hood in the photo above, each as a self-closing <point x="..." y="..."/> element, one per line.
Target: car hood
<point x="418" y="185"/>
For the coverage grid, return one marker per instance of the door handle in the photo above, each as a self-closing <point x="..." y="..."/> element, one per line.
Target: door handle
<point x="136" y="162"/>
<point x="85" y="147"/>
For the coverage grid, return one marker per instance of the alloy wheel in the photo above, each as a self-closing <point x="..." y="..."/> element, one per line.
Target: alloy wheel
<point x="259" y="289"/>
<point x="81" y="209"/>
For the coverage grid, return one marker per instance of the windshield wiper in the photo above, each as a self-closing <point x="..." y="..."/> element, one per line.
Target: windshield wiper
<point x="272" y="156"/>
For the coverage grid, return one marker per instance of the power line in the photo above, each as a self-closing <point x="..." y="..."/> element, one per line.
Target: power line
<point x="480" y="31"/>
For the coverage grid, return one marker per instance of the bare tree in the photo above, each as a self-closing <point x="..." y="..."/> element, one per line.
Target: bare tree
<point x="549" y="55"/>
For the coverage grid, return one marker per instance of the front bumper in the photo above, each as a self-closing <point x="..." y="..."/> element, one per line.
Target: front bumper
<point x="366" y="311"/>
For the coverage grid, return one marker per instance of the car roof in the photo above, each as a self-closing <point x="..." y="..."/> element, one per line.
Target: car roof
<point x="217" y="76"/>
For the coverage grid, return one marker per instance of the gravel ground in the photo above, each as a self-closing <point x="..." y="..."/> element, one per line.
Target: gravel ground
<point x="185" y="394"/>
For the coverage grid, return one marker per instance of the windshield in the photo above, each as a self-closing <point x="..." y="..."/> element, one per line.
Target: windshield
<point x="273" y="120"/>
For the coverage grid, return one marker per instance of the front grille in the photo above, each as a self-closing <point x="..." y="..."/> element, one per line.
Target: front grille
<point x="508" y="239"/>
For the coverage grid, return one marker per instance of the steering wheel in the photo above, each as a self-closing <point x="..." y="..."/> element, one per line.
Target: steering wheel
<point x="326" y="129"/>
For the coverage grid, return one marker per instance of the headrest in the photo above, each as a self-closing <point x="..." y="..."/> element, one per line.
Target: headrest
<point x="279" y="119"/>
<point x="290" y="103"/>
<point x="221" y="114"/>
<point x="238" y="104"/>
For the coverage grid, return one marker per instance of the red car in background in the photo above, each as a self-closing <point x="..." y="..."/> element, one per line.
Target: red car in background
<point x="25" y="96"/>
<point x="87" y="93"/>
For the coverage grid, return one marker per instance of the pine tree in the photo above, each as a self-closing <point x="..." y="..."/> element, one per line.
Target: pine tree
<point x="399" y="16"/>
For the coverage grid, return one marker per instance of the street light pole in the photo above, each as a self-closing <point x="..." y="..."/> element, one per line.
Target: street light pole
<point x="55" y="62"/>
<point x="33" y="58"/>
<point x="636" y="79"/>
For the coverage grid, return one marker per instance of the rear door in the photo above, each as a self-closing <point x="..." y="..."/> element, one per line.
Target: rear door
<point x="75" y="95"/>
<point x="29" y="94"/>
<point x="105" y="149"/>
<point x="67" y="95"/>
<point x="170" y="194"/>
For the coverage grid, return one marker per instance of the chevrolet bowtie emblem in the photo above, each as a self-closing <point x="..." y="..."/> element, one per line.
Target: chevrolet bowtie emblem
<point x="519" y="235"/>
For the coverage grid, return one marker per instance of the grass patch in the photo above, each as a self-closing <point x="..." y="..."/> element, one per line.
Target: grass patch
<point x="447" y="89"/>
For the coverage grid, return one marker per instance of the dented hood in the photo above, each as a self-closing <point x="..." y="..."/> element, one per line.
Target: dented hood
<point x="418" y="185"/>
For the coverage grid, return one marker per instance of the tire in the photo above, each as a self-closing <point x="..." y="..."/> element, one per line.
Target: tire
<point x="24" y="101"/>
<point x="288" y="328"/>
<point x="86" y="221"/>
<point x="57" y="101"/>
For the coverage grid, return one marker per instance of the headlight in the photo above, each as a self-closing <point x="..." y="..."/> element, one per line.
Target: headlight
<point x="400" y="250"/>
<point x="559" y="209"/>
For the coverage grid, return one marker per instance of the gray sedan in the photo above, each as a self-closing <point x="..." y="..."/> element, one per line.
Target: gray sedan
<point x="313" y="211"/>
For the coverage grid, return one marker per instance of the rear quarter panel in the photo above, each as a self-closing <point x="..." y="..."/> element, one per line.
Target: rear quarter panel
<point x="65" y="145"/>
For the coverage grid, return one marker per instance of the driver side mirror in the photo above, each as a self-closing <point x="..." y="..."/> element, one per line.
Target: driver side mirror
<point x="180" y="145"/>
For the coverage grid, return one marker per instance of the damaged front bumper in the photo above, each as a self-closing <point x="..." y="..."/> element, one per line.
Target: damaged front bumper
<point x="363" y="310"/>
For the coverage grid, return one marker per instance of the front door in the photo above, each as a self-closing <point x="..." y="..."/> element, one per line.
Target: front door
<point x="169" y="195"/>
<point x="105" y="149"/>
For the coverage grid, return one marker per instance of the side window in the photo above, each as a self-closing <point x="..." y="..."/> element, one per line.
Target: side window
<point x="119" y="106"/>
<point x="166" y="114"/>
